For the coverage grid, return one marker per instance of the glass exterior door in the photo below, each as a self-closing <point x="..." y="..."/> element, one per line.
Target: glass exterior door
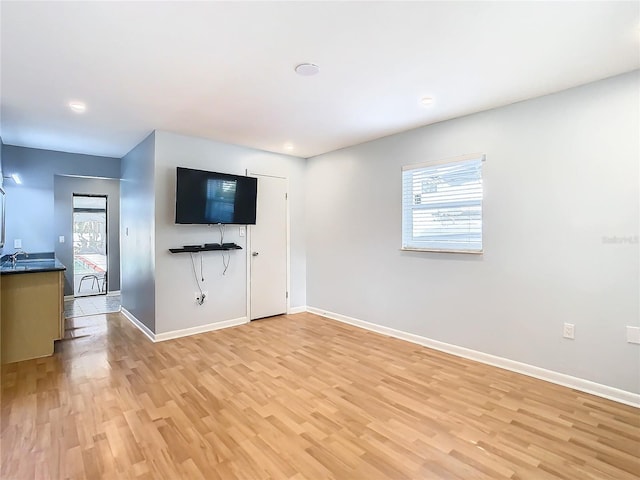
<point x="90" y="245"/>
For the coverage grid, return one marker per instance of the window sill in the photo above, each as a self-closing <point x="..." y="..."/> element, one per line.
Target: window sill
<point x="435" y="250"/>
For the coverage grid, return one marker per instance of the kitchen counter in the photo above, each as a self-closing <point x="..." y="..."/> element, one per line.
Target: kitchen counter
<point x="31" y="310"/>
<point x="35" y="262"/>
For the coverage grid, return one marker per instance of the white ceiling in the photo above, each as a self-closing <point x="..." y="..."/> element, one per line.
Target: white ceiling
<point x="225" y="70"/>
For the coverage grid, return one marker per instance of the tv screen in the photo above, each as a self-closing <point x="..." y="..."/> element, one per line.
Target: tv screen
<point x="211" y="197"/>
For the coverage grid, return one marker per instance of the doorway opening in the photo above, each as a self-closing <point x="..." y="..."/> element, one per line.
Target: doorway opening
<point x="90" y="249"/>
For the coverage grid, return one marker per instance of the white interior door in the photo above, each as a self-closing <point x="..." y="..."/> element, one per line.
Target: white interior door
<point x="268" y="252"/>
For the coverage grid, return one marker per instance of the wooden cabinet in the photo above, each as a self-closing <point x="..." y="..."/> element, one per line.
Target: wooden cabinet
<point x="32" y="315"/>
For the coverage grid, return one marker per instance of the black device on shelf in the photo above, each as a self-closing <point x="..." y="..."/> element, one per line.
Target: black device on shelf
<point x="207" y="247"/>
<point x="209" y="198"/>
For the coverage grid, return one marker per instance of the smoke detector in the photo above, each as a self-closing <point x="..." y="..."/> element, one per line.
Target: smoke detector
<point x="307" y="69"/>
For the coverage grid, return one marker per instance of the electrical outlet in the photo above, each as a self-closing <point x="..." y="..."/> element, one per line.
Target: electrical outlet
<point x="242" y="231"/>
<point x="17" y="243"/>
<point x="633" y="334"/>
<point x="569" y="331"/>
<point x="61" y="239"/>
<point x="198" y="298"/>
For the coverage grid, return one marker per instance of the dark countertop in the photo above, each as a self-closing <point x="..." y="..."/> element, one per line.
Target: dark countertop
<point x="33" y="263"/>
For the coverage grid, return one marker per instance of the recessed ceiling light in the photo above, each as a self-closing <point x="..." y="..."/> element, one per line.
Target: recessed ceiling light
<point x="288" y="146"/>
<point x="307" y="69"/>
<point x="78" y="107"/>
<point x="425" y="101"/>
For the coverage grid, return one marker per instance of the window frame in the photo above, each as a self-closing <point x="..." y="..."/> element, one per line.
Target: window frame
<point x="408" y="209"/>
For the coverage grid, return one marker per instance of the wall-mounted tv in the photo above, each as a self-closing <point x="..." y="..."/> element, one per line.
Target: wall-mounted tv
<point x="211" y="197"/>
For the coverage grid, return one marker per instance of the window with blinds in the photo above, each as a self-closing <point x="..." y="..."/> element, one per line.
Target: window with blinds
<point x="442" y="205"/>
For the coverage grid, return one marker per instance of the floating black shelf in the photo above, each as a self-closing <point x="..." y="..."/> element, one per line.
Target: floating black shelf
<point x="205" y="248"/>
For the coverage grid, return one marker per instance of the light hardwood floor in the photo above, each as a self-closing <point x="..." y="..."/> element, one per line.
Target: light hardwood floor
<point x="297" y="397"/>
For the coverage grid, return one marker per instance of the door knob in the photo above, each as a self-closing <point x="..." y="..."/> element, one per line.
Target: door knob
<point x="255" y="254"/>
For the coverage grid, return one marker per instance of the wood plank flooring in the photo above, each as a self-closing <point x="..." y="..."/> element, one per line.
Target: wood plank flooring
<point x="296" y="397"/>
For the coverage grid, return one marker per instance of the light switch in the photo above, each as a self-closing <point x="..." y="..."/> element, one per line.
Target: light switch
<point x="17" y="243"/>
<point x="61" y="239"/>
<point x="633" y="334"/>
<point x="242" y="231"/>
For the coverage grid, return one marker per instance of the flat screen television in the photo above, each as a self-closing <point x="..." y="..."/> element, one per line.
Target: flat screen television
<point x="211" y="197"/>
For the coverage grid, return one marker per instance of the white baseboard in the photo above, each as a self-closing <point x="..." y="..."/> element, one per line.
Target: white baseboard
<point x="141" y="326"/>
<point x="587" y="386"/>
<point x="160" y="337"/>
<point x="294" y="310"/>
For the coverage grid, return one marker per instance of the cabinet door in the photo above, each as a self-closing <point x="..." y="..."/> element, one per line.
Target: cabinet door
<point x="61" y="305"/>
<point x="30" y="315"/>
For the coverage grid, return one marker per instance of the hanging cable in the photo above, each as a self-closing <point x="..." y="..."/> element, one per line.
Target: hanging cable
<point x="201" y="267"/>
<point x="226" y="263"/>
<point x="200" y="299"/>
<point x="221" y="226"/>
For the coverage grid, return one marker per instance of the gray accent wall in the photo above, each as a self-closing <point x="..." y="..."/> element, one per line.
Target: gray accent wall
<point x="561" y="185"/>
<point x="1" y="226"/>
<point x="1" y="184"/>
<point x="64" y="189"/>
<point x="30" y="206"/>
<point x="137" y="233"/>
<point x="1" y="174"/>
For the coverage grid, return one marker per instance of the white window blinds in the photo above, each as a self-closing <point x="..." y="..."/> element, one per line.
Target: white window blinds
<point x="442" y="205"/>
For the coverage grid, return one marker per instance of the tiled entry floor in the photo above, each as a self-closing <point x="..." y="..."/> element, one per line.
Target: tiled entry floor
<point x="76" y="313"/>
<point x="80" y="307"/>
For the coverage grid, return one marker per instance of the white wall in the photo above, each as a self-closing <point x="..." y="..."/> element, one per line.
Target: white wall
<point x="561" y="175"/>
<point x="175" y="284"/>
<point x="137" y="233"/>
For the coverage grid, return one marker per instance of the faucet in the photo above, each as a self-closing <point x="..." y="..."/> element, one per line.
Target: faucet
<point x="14" y="256"/>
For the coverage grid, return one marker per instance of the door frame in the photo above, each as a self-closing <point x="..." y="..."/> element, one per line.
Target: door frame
<point x="257" y="175"/>
<point x="106" y="234"/>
